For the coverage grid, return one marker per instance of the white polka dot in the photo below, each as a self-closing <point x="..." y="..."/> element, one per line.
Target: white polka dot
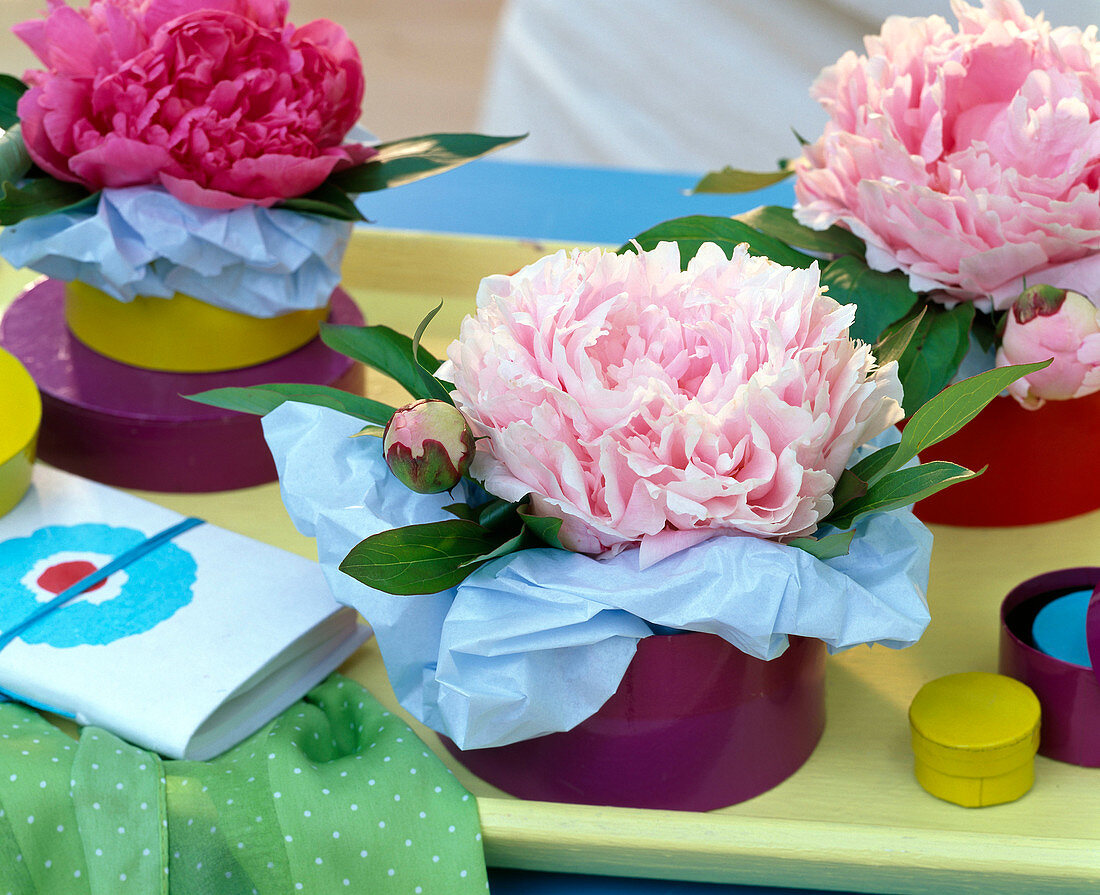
<point x="408" y="842"/>
<point x="60" y="828"/>
<point x="423" y="815"/>
<point x="435" y="859"/>
<point x="118" y="786"/>
<point x="215" y="829"/>
<point x="76" y="873"/>
<point x="146" y="852"/>
<point x="49" y="864"/>
<point x="462" y="874"/>
<point x="397" y="798"/>
<point x="297" y="770"/>
<point x="288" y="838"/>
<point x="451" y="828"/>
<point x="347" y="882"/>
<point x="14" y="777"/>
<point x="99" y="852"/>
<point x="122" y="877"/>
<point x="307" y="813"/>
<point x="354" y="807"/>
<point x="381" y="824"/>
<point x="412" y="770"/>
<point x="30" y="819"/>
<point x="121" y="830"/>
<point x="95" y="805"/>
<point x="391" y="871"/>
<point x="298" y="886"/>
<point x="362" y="854"/>
<point x="42" y="785"/>
<point x="276" y="795"/>
<point x="318" y="861"/>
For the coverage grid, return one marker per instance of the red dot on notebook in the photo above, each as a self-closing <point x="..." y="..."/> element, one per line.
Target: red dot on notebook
<point x="65" y="574"/>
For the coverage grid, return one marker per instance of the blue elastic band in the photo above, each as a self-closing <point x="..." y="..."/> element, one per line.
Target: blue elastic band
<point x="88" y="581"/>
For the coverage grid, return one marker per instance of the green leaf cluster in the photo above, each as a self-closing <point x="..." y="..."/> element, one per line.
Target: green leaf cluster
<point x="884" y="480"/>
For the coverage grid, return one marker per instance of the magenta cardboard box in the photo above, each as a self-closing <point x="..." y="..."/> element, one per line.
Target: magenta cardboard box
<point x="131" y="427"/>
<point x="1069" y="693"/>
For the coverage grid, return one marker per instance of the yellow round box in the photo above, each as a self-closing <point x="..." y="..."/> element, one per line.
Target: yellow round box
<point x="975" y="736"/>
<point x="21" y="413"/>
<point x="182" y="334"/>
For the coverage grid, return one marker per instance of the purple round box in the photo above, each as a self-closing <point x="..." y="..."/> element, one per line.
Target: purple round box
<point x="130" y="427"/>
<point x="1069" y="694"/>
<point x="696" y="724"/>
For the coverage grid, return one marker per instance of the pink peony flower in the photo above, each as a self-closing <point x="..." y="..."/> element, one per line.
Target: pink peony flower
<point x="1052" y="323"/>
<point x="428" y="445"/>
<point x="220" y="101"/>
<point x="969" y="160"/>
<point x="647" y="406"/>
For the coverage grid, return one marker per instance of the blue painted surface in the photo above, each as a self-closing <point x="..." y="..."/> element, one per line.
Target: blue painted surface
<point x="519" y="882"/>
<point x="1059" y="628"/>
<point x="558" y="202"/>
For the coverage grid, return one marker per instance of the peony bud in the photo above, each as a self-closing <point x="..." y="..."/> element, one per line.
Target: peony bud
<point x="428" y="445"/>
<point x="1046" y="322"/>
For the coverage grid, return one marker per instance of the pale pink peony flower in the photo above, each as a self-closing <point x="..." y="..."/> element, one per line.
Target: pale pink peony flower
<point x="1052" y="323"/>
<point x="220" y="101"/>
<point x="969" y="160"/>
<point x="645" y="405"/>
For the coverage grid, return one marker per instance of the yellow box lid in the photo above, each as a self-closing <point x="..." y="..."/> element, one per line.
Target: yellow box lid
<point x="21" y="413"/>
<point x="975" y="724"/>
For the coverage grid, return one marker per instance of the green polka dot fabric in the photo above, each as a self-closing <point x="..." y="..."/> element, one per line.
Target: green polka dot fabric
<point x="335" y="795"/>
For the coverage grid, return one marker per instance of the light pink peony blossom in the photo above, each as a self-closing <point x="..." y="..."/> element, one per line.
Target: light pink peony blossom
<point x="220" y="101"/>
<point x="1052" y="323"/>
<point x="643" y="405"/>
<point x="968" y="159"/>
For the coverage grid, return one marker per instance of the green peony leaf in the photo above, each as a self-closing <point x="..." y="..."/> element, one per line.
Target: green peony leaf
<point x="433" y="386"/>
<point x="691" y="232"/>
<point x="327" y="200"/>
<point x="934" y="353"/>
<point x="14" y="161"/>
<point x="10" y="91"/>
<point x="497" y="513"/>
<point x="404" y="161"/>
<point x="262" y="399"/>
<point x="545" y="528"/>
<point x="779" y="222"/>
<point x="897" y="338"/>
<point x="900" y="489"/>
<point x="384" y="349"/>
<point x="828" y="547"/>
<point x="880" y="298"/>
<point x="38" y="196"/>
<point x="420" y="559"/>
<point x="731" y="180"/>
<point x="941" y="417"/>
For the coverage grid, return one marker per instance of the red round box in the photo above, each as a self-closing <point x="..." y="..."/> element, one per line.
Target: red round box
<point x="1040" y="465"/>
<point x="696" y="724"/>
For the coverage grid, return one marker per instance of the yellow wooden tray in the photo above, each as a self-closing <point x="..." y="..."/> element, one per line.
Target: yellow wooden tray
<point x="854" y="817"/>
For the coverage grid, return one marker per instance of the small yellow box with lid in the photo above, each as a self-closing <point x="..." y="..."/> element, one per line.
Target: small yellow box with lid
<point x="975" y="736"/>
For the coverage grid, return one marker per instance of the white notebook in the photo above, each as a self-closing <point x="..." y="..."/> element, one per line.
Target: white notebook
<point x="187" y="649"/>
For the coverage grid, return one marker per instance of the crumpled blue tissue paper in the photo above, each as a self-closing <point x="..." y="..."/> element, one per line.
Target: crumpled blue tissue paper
<point x="537" y="641"/>
<point x="141" y="240"/>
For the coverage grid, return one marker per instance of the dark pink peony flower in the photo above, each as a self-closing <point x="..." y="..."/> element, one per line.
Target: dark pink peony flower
<point x="220" y="101"/>
<point x="968" y="159"/>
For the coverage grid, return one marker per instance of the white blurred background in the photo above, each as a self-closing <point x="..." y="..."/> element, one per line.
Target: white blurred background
<point x="683" y="85"/>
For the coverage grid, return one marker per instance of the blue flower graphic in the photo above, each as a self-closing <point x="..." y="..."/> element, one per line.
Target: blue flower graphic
<point x="158" y="584"/>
